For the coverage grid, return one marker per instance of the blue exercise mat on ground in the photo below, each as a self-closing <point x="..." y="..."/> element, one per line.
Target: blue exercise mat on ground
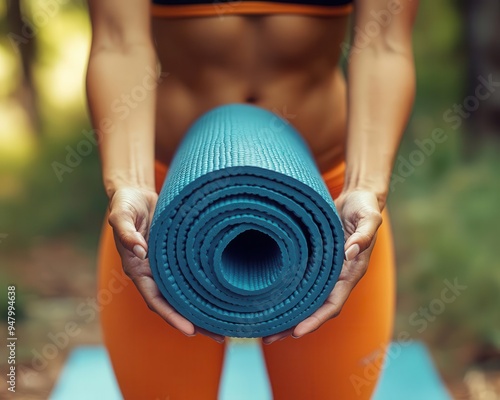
<point x="408" y="374"/>
<point x="245" y="239"/>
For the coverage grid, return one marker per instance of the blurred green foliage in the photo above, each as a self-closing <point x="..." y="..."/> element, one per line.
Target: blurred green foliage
<point x="446" y="228"/>
<point x="46" y="207"/>
<point x="445" y="215"/>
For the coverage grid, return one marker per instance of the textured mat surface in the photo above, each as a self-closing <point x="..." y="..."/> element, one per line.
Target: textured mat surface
<point x="245" y="239"/>
<point x="408" y="374"/>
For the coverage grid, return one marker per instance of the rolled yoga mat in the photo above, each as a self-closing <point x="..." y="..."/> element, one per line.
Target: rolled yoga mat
<point x="245" y="239"/>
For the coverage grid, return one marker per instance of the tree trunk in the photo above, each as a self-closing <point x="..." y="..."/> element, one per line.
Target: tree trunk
<point x="23" y="39"/>
<point x="483" y="41"/>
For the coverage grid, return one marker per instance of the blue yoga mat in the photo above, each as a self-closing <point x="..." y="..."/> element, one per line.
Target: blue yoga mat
<point x="245" y="239"/>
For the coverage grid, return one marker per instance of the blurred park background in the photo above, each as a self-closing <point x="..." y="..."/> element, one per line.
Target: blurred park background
<point x="444" y="201"/>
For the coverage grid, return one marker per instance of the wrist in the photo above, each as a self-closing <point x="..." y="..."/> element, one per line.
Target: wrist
<point x="112" y="185"/>
<point x="376" y="186"/>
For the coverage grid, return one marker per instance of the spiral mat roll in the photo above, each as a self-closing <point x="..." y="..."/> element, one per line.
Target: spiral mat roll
<point x="245" y="239"/>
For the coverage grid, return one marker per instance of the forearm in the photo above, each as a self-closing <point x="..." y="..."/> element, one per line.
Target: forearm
<point x="380" y="98"/>
<point x="121" y="87"/>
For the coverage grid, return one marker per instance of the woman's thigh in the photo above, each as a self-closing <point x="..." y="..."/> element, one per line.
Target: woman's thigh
<point x="343" y="358"/>
<point x="151" y="360"/>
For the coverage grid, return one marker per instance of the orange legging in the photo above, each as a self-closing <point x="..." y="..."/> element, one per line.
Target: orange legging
<point x="341" y="360"/>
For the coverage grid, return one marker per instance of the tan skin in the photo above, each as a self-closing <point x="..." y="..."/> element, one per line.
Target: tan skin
<point x="285" y="63"/>
<point x="289" y="75"/>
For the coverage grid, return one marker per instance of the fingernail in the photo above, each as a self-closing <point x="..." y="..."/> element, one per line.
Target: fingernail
<point x="352" y="252"/>
<point x="296" y="337"/>
<point x="139" y="252"/>
<point x="189" y="335"/>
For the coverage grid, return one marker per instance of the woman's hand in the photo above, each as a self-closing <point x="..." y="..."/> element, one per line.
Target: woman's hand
<point x="361" y="217"/>
<point x="131" y="212"/>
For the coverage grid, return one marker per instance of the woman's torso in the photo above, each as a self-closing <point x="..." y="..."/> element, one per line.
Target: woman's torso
<point x="285" y="63"/>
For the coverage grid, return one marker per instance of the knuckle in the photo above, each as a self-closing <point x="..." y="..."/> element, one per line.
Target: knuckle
<point x="375" y="215"/>
<point x="120" y="211"/>
<point x="364" y="238"/>
<point x="113" y="218"/>
<point x="151" y="196"/>
<point x="335" y="312"/>
<point x="124" y="237"/>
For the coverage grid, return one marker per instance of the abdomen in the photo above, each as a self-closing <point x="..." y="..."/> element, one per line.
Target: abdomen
<point x="287" y="64"/>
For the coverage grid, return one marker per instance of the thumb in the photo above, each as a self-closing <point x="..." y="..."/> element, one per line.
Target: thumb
<point x="126" y="232"/>
<point x="362" y="238"/>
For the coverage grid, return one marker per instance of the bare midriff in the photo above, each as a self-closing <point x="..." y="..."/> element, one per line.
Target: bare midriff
<point x="285" y="63"/>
